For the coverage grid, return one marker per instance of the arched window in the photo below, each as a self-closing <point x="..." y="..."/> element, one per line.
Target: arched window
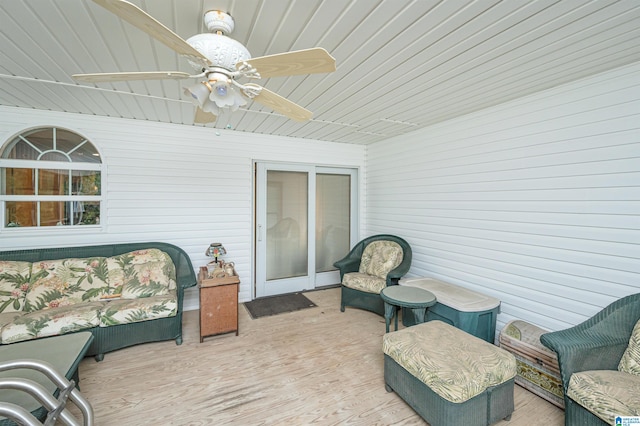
<point x="50" y="177"/>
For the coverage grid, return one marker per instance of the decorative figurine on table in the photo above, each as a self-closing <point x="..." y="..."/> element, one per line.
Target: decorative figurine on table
<point x="215" y="268"/>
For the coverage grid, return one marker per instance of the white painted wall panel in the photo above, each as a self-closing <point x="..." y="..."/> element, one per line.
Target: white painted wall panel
<point x="535" y="202"/>
<point x="179" y="184"/>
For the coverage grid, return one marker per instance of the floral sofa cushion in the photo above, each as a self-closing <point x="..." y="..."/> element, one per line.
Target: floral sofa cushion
<point x="141" y="273"/>
<point x="606" y="393"/>
<point x="8" y="318"/>
<point x="14" y="283"/>
<point x="457" y="371"/>
<point x="630" y="362"/>
<point x="125" y="311"/>
<point x="380" y="257"/>
<point x="64" y="282"/>
<point x="52" y="321"/>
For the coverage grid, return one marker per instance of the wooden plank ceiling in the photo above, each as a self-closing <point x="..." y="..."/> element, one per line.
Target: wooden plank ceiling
<point x="401" y="64"/>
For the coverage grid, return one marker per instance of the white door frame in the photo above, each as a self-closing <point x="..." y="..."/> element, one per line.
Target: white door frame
<point x="312" y="280"/>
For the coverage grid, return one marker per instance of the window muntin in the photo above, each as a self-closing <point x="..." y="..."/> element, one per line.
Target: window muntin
<point x="50" y="177"/>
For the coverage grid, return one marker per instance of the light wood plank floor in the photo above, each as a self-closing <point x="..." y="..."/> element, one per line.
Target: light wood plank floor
<point x="317" y="366"/>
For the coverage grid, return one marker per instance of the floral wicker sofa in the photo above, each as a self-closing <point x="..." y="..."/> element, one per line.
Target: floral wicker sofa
<point x="124" y="294"/>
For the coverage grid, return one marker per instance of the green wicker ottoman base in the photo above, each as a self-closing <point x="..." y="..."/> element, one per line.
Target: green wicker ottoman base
<point x="492" y="405"/>
<point x="448" y="376"/>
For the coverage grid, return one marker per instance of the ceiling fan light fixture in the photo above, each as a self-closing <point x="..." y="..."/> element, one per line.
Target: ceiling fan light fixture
<point x="224" y="93"/>
<point x="209" y="106"/>
<point x="199" y="92"/>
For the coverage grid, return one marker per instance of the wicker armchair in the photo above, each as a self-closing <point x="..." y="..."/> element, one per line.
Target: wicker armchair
<point x="368" y="297"/>
<point x="596" y="344"/>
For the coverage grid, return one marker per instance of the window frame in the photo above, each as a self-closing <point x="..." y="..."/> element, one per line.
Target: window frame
<point x="39" y="165"/>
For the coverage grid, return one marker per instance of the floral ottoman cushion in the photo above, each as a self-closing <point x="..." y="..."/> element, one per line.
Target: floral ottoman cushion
<point x="454" y="364"/>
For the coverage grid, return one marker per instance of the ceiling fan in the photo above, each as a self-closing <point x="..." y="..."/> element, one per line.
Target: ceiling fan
<point x="221" y="62"/>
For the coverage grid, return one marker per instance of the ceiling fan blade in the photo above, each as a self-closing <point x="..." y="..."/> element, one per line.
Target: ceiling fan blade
<point x="204" y="117"/>
<point x="123" y="76"/>
<point x="309" y="61"/>
<point x="281" y="105"/>
<point x="142" y="20"/>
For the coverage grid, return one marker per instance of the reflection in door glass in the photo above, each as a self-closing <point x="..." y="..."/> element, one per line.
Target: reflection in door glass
<point x="333" y="200"/>
<point x="287" y="218"/>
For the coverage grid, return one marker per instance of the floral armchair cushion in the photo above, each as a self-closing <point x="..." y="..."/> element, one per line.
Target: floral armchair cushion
<point x="606" y="393"/>
<point x="364" y="282"/>
<point x="630" y="362"/>
<point x="380" y="257"/>
<point x="14" y="283"/>
<point x="63" y="282"/>
<point x="142" y="273"/>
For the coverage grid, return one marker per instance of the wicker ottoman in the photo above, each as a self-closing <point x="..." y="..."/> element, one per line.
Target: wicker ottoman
<point x="448" y="376"/>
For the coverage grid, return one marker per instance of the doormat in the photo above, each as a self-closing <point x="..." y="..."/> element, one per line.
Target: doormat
<point x="274" y="305"/>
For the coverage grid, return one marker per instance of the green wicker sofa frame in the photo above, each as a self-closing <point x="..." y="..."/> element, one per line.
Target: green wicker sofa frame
<point x="108" y="339"/>
<point x="351" y="263"/>
<point x="595" y="344"/>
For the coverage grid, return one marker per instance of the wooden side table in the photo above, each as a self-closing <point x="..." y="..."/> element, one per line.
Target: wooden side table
<point x="218" y="304"/>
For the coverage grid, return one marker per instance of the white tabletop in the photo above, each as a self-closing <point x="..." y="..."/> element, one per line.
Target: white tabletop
<point x="454" y="296"/>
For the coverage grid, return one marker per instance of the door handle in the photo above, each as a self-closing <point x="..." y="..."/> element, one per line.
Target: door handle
<point x="259" y="232"/>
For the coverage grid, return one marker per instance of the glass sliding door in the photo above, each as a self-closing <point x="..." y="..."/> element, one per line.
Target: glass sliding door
<point x="305" y="221"/>
<point x="334" y="218"/>
<point x="287" y="218"/>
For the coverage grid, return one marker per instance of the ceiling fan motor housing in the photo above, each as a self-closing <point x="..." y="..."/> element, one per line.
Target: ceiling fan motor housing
<point x="216" y="20"/>
<point x="222" y="51"/>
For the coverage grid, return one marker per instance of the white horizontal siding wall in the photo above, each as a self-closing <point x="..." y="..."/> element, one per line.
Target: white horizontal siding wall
<point x="535" y="202"/>
<point x="178" y="184"/>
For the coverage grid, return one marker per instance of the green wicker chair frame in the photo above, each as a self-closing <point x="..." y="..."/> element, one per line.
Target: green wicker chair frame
<point x="351" y="263"/>
<point x="596" y="344"/>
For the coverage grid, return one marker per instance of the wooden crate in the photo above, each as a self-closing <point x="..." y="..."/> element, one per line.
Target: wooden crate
<point x="537" y="365"/>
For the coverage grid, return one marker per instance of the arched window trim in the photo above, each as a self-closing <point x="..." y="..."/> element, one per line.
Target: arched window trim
<point x="65" y="167"/>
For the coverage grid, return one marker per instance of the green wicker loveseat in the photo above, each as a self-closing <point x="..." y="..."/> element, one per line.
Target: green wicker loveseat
<point x="599" y="362"/>
<point x="369" y="268"/>
<point x="124" y="294"/>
